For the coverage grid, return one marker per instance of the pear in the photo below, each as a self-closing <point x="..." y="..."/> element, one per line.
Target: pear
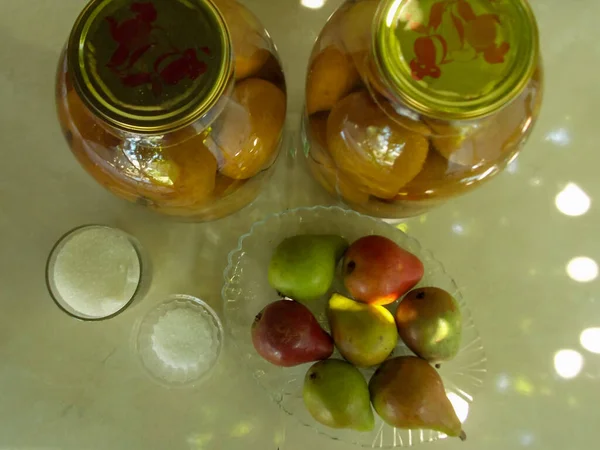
<point x="336" y="394"/>
<point x="408" y="393"/>
<point x="430" y="323"/>
<point x="286" y="334"/>
<point x="364" y="334"/>
<point x="303" y="266"/>
<point x="378" y="271"/>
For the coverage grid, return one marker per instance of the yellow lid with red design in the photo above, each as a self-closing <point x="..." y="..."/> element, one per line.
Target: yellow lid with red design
<point x="150" y="66"/>
<point x="456" y="59"/>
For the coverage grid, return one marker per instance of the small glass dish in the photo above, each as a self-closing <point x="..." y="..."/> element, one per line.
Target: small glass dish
<point x="95" y="272"/>
<point x="246" y="291"/>
<point x="180" y="341"/>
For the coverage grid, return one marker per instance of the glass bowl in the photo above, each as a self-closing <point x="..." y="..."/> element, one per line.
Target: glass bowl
<point x="247" y="291"/>
<point x="179" y="341"/>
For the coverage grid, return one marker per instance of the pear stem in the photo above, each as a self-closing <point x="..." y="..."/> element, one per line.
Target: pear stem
<point x="462" y="436"/>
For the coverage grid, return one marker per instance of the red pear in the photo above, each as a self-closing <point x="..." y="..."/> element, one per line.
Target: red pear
<point x="377" y="271"/>
<point x="286" y="334"/>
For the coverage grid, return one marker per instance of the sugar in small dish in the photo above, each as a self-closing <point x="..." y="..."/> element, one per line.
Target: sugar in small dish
<point x="180" y="340"/>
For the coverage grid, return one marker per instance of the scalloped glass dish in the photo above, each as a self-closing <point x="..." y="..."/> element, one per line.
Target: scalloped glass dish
<point x="180" y="341"/>
<point x="247" y="291"/>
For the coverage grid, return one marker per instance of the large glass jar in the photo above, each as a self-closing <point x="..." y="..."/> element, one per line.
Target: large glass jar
<point x="178" y="105"/>
<point x="412" y="102"/>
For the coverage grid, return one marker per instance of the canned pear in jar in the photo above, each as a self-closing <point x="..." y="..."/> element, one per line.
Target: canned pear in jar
<point x="177" y="105"/>
<point x="419" y="100"/>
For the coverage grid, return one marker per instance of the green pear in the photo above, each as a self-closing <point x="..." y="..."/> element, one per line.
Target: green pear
<point x="364" y="334"/>
<point x="303" y="267"/>
<point x="336" y="394"/>
<point x="430" y="323"/>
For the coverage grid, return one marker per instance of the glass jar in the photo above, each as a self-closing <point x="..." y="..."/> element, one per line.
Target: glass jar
<point x="178" y="105"/>
<point x="412" y="102"/>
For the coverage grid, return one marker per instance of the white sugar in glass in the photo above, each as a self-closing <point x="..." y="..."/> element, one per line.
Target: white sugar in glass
<point x="94" y="272"/>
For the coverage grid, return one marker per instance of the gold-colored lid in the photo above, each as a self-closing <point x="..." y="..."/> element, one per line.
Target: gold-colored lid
<point x="456" y="59"/>
<point x="150" y="66"/>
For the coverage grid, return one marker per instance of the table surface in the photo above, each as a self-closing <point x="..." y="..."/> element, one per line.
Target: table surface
<point x="511" y="245"/>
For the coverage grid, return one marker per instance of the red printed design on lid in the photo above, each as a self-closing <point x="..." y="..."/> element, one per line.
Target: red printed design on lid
<point x="467" y="37"/>
<point x="140" y="39"/>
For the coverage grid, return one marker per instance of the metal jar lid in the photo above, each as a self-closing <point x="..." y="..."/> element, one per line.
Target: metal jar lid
<point x="150" y="67"/>
<point x="456" y="59"/>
